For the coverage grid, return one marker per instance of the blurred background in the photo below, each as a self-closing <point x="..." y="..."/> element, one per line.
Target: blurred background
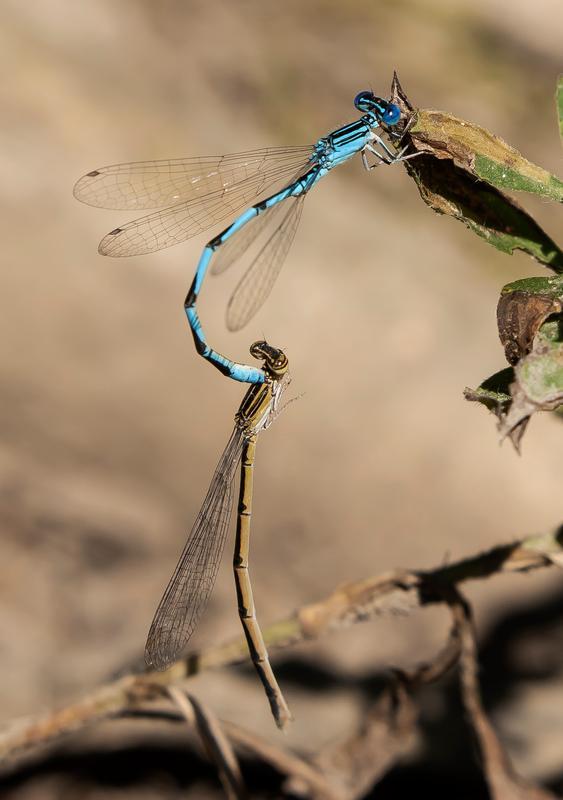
<point x="111" y="425"/>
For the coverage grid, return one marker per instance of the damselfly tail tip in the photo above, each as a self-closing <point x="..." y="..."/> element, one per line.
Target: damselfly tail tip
<point x="282" y="716"/>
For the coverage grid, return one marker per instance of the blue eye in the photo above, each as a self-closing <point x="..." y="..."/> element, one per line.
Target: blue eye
<point x="392" y="114"/>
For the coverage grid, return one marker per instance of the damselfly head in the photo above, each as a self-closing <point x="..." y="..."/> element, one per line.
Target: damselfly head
<point x="386" y="112"/>
<point x="275" y="360"/>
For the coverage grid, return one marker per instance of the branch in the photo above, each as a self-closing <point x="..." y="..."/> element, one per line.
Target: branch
<point x="347" y="605"/>
<point x="215" y="743"/>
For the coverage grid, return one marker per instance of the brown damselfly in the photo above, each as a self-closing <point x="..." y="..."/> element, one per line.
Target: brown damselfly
<point x="191" y="584"/>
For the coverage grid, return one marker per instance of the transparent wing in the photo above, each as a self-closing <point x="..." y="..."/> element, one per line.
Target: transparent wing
<point x="178" y="223"/>
<point x="156" y="184"/>
<point x="201" y="196"/>
<point x="191" y="584"/>
<point x="240" y="241"/>
<point x="174" y="225"/>
<point x="258" y="280"/>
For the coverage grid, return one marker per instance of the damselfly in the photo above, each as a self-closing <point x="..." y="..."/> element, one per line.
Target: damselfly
<point x="189" y="589"/>
<point x="196" y="193"/>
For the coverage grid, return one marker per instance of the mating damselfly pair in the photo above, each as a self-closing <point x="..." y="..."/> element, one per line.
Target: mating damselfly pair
<point x="192" y="195"/>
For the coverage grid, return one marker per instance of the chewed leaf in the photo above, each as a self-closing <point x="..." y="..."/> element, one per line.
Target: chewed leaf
<point x="534" y="384"/>
<point x="530" y="323"/>
<point x="460" y="172"/>
<point x="523" y="307"/>
<point x="482" y="153"/>
<point x="559" y="103"/>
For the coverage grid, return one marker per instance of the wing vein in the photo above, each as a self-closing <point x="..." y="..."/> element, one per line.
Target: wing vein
<point x="258" y="280"/>
<point x="190" y="586"/>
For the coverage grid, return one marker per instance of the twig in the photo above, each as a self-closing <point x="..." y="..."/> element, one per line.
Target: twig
<point x="307" y="777"/>
<point x="355" y="764"/>
<point x="348" y="605"/>
<point x="304" y="775"/>
<point x="503" y="781"/>
<point x="214" y="742"/>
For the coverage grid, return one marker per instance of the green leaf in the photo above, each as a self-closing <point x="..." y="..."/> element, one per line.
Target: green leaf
<point x="540" y="374"/>
<point x="536" y="181"/>
<point x="547" y="287"/>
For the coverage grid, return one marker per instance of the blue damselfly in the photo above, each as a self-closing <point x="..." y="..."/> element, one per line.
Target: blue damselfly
<point x="196" y="193"/>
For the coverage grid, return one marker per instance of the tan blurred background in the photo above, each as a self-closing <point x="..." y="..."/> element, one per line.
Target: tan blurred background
<point x="111" y="425"/>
